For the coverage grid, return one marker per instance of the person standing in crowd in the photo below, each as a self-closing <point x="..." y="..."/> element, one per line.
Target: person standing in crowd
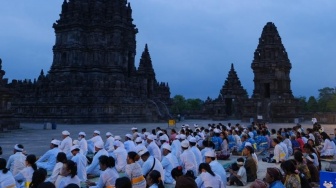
<point x="81" y="162"/>
<point x="6" y="177"/>
<point x="274" y="178"/>
<point x="69" y="173"/>
<point x="82" y="143"/>
<point x="16" y="162"/>
<point x="66" y="143"/>
<point x="93" y="168"/>
<point x="133" y="170"/>
<point x="26" y="174"/>
<point x="48" y="160"/>
<point x="108" y="175"/>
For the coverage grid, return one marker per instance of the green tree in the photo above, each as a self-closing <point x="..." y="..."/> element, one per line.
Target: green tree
<point x="331" y="105"/>
<point x="194" y="105"/>
<point x="303" y="103"/>
<point x="326" y="94"/>
<point x="179" y="105"/>
<point x="312" y="105"/>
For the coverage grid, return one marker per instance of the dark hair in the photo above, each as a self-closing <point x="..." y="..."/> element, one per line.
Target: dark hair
<point x="72" y="185"/>
<point x="250" y="149"/>
<point x="325" y="136"/>
<point x="155" y="176"/>
<point x="72" y="167"/>
<point x="276" y="140"/>
<point x="46" y="184"/>
<point x="177" y="172"/>
<point x="206" y="167"/>
<point x="134" y="156"/>
<point x="39" y="176"/>
<point x="19" y="146"/>
<point x="240" y="159"/>
<point x="31" y="159"/>
<point x="298" y="156"/>
<point x="309" y="147"/>
<point x="61" y="157"/>
<point x="288" y="167"/>
<point x="3" y="165"/>
<point x="123" y="182"/>
<point x="108" y="161"/>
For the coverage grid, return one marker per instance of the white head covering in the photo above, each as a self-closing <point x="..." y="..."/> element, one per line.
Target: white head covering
<point x="129" y="136"/>
<point x="109" y="134"/>
<point x="117" y="143"/>
<point x="56" y="142"/>
<point x="16" y="147"/>
<point x="74" y="147"/>
<point x="134" y="128"/>
<point x="81" y="134"/>
<point x="99" y="144"/>
<point x="210" y="153"/>
<point x="163" y="138"/>
<point x="142" y="151"/>
<point x="248" y="144"/>
<point x="151" y="137"/>
<point x="182" y="136"/>
<point x="166" y="146"/>
<point x="96" y="132"/>
<point x="75" y="142"/>
<point x="65" y="132"/>
<point x="185" y="143"/>
<point x="117" y="137"/>
<point x="192" y="139"/>
<point x="138" y="139"/>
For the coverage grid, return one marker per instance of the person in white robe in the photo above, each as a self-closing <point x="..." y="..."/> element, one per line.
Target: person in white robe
<point x="109" y="147"/>
<point x="169" y="162"/>
<point x="81" y="162"/>
<point x="16" y="162"/>
<point x="82" y="143"/>
<point x="153" y="148"/>
<point x="95" y="138"/>
<point x="120" y="156"/>
<point x="150" y="163"/>
<point x="187" y="158"/>
<point x="93" y="168"/>
<point x="48" y="160"/>
<point x="66" y="144"/>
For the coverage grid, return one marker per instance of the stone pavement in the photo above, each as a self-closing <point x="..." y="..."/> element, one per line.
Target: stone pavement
<point x="36" y="140"/>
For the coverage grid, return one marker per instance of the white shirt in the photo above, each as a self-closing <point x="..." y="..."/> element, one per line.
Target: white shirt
<point x="279" y="153"/>
<point x="285" y="149"/>
<point x="56" y="172"/>
<point x="81" y="162"/>
<point x="109" y="144"/>
<point x="68" y="180"/>
<point x="147" y="165"/>
<point x="242" y="172"/>
<point x="107" y="178"/>
<point x="25" y="175"/>
<point x="129" y="146"/>
<point x="83" y="146"/>
<point x="65" y="145"/>
<point x="217" y="168"/>
<point x="176" y="148"/>
<point x="205" y="179"/>
<point x="16" y="163"/>
<point x="94" y="167"/>
<point x="169" y="162"/>
<point x="120" y="156"/>
<point x="96" y="139"/>
<point x="188" y="161"/>
<point x="154" y="150"/>
<point x="198" y="155"/>
<point x="7" y="180"/>
<point x="48" y="160"/>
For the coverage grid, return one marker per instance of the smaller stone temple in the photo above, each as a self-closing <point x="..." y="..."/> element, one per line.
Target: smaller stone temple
<point x="7" y="118"/>
<point x="230" y="99"/>
<point x="272" y="99"/>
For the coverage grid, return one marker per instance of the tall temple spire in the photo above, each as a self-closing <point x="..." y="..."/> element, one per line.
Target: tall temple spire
<point x="271" y="66"/>
<point x="145" y="65"/>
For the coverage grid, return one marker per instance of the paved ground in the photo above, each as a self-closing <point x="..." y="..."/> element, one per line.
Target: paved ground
<point x="36" y="140"/>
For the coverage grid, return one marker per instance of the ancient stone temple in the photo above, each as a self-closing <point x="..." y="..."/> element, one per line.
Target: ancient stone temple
<point x="272" y="98"/>
<point x="7" y="117"/>
<point x="93" y="78"/>
<point x="230" y="100"/>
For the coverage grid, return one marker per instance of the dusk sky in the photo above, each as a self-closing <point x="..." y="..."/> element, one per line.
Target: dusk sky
<point x="192" y="43"/>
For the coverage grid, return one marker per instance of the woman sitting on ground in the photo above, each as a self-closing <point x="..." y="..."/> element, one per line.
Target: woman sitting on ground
<point x="69" y="173"/>
<point x="39" y="177"/>
<point x="301" y="165"/>
<point x="274" y="178"/>
<point x="292" y="179"/>
<point x="6" y="177"/>
<point x="182" y="181"/>
<point x="328" y="149"/>
<point x="207" y="178"/>
<point x="56" y="174"/>
<point x="108" y="175"/>
<point x="25" y="175"/>
<point x="154" y="179"/>
<point x="133" y="170"/>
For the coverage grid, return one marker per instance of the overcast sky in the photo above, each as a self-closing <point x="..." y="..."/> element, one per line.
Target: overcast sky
<point x="192" y="43"/>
